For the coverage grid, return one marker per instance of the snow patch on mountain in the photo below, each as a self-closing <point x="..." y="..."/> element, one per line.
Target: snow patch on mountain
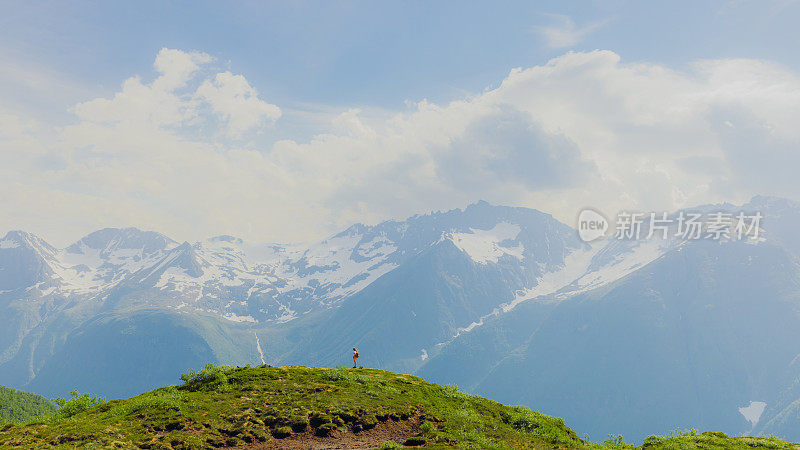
<point x="236" y="318"/>
<point x="576" y="264"/>
<point x="752" y="412"/>
<point x="83" y="269"/>
<point x="622" y="264"/>
<point x="285" y="280"/>
<point x="594" y="266"/>
<point x="342" y="263"/>
<point x="484" y="246"/>
<point x="584" y="269"/>
<point x="287" y="315"/>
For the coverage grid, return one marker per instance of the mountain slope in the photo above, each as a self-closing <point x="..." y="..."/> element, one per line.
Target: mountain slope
<point x="397" y="317"/>
<point x="130" y="353"/>
<point x="683" y="342"/>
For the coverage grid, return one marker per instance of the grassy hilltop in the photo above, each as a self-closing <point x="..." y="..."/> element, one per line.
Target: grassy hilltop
<point x="300" y="407"/>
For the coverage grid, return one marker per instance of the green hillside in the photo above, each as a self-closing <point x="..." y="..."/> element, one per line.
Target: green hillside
<point x="299" y="407"/>
<point x="19" y="406"/>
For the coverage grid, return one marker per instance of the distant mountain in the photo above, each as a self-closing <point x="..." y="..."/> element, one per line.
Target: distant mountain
<point x="504" y="302"/>
<point x="704" y="335"/>
<point x="684" y="342"/>
<point x="110" y="300"/>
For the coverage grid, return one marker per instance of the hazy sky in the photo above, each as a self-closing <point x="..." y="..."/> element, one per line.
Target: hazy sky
<point x="287" y="121"/>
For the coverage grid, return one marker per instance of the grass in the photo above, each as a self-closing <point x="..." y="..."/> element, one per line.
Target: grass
<point x="692" y="439"/>
<point x="225" y="406"/>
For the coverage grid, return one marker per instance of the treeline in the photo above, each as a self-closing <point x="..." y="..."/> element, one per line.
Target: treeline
<point x="19" y="406"/>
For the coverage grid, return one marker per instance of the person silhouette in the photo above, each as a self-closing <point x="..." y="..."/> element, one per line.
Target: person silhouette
<point x="355" y="357"/>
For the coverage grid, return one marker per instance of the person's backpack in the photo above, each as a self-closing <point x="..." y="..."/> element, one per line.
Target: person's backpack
<point x="356" y="355"/>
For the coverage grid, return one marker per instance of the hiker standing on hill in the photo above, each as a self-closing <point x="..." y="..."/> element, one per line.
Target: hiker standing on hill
<point x="355" y="357"/>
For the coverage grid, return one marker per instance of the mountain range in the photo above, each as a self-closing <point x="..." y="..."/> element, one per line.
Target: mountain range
<point x="634" y="336"/>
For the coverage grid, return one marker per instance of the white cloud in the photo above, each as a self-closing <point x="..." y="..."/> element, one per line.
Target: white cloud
<point x="563" y="32"/>
<point x="169" y="101"/>
<point x="177" y="68"/>
<point x="235" y="101"/>
<point x="13" y="126"/>
<point x="584" y="129"/>
<point x="156" y="103"/>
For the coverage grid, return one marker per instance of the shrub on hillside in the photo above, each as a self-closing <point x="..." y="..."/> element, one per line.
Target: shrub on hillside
<point x="453" y="392"/>
<point x="210" y="377"/>
<point x="77" y="404"/>
<point x="427" y="428"/>
<point x="161" y="400"/>
<point x="615" y="442"/>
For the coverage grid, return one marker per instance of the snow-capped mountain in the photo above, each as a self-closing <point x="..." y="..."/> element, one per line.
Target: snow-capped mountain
<point x="507" y="302"/>
<point x="221" y="275"/>
<point x="507" y="256"/>
<point x="665" y="334"/>
<point x="50" y="298"/>
<point x="264" y="283"/>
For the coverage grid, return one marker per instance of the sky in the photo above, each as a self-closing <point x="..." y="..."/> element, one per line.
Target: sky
<point x="289" y="121"/>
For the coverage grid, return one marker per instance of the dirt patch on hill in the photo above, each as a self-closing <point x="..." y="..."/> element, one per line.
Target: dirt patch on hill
<point x="398" y="431"/>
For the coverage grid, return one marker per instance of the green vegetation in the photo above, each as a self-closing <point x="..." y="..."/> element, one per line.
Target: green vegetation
<point x="19" y="406"/>
<point x="711" y="440"/>
<point x="226" y="406"/>
<point x="78" y="403"/>
<point x="692" y="439"/>
<point x="210" y="377"/>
